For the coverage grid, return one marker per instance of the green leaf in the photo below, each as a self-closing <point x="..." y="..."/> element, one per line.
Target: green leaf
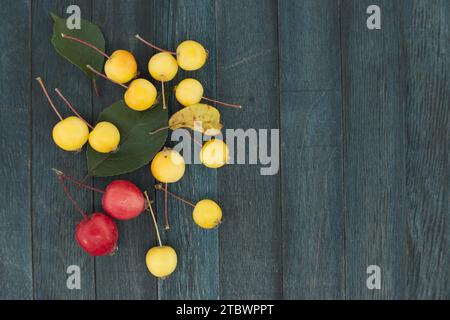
<point x="137" y="147"/>
<point x="77" y="53"/>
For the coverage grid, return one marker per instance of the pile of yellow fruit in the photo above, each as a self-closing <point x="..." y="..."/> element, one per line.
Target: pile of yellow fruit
<point x="168" y="166"/>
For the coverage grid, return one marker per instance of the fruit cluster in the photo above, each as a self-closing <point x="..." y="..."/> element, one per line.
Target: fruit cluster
<point x="97" y="233"/>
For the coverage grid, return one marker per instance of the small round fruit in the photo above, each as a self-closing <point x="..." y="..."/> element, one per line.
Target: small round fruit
<point x="123" y="200"/>
<point x="97" y="234"/>
<point x="214" y="153"/>
<point x="161" y="261"/>
<point x="163" y="66"/>
<point x="168" y="166"/>
<point x="191" y="55"/>
<point x="105" y="137"/>
<point x="207" y="214"/>
<point x="70" y="134"/>
<point x="121" y="66"/>
<point x="189" y="91"/>
<point x="140" y="95"/>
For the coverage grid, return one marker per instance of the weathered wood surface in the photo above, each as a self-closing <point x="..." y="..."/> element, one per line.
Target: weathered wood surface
<point x="247" y="71"/>
<point x="16" y="270"/>
<point x="373" y="144"/>
<point x="426" y="42"/>
<point x="364" y="153"/>
<point x="313" y="224"/>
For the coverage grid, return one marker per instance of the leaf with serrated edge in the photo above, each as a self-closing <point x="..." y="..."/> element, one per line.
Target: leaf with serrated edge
<point x="199" y="117"/>
<point x="136" y="147"/>
<point x="77" y="53"/>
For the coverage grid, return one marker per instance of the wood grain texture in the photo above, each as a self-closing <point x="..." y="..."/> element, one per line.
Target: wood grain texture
<point x="313" y="224"/>
<point x="197" y="274"/>
<point x="247" y="73"/>
<point x="125" y="275"/>
<point x="54" y="217"/>
<point x="15" y="213"/>
<point x="364" y="119"/>
<point x="374" y="172"/>
<point x="309" y="45"/>
<point x="426" y="71"/>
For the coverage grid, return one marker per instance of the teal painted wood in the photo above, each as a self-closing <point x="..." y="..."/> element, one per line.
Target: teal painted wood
<point x="313" y="224"/>
<point x="197" y="274"/>
<point x="374" y="153"/>
<point x="15" y="213"/>
<point x="125" y="275"/>
<point x="309" y="45"/>
<point x="54" y="217"/>
<point x="427" y="122"/>
<point x="394" y="183"/>
<point x="247" y="73"/>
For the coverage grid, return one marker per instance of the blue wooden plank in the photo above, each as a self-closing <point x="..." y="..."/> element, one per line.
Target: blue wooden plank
<point x="125" y="275"/>
<point x="15" y="213"/>
<point x="247" y="73"/>
<point x="426" y="60"/>
<point x="197" y="272"/>
<point x="374" y="171"/>
<point x="309" y="45"/>
<point x="395" y="153"/>
<point x="313" y="224"/>
<point x="54" y="218"/>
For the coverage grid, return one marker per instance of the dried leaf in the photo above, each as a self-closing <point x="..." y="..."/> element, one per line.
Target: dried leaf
<point x="199" y="117"/>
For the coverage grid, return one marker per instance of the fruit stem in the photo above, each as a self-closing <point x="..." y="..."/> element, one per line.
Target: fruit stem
<point x="160" y="187"/>
<point x="78" y="182"/>
<point x="152" y="45"/>
<point x="163" y="95"/>
<point x="223" y="103"/>
<point x="69" y="195"/>
<point x="86" y="44"/>
<point x="160" y="129"/>
<point x="166" y="212"/>
<point x="48" y="98"/>
<point x="72" y="108"/>
<point x="83" y="180"/>
<point x="154" y="218"/>
<point x="105" y="77"/>
<point x="94" y="83"/>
